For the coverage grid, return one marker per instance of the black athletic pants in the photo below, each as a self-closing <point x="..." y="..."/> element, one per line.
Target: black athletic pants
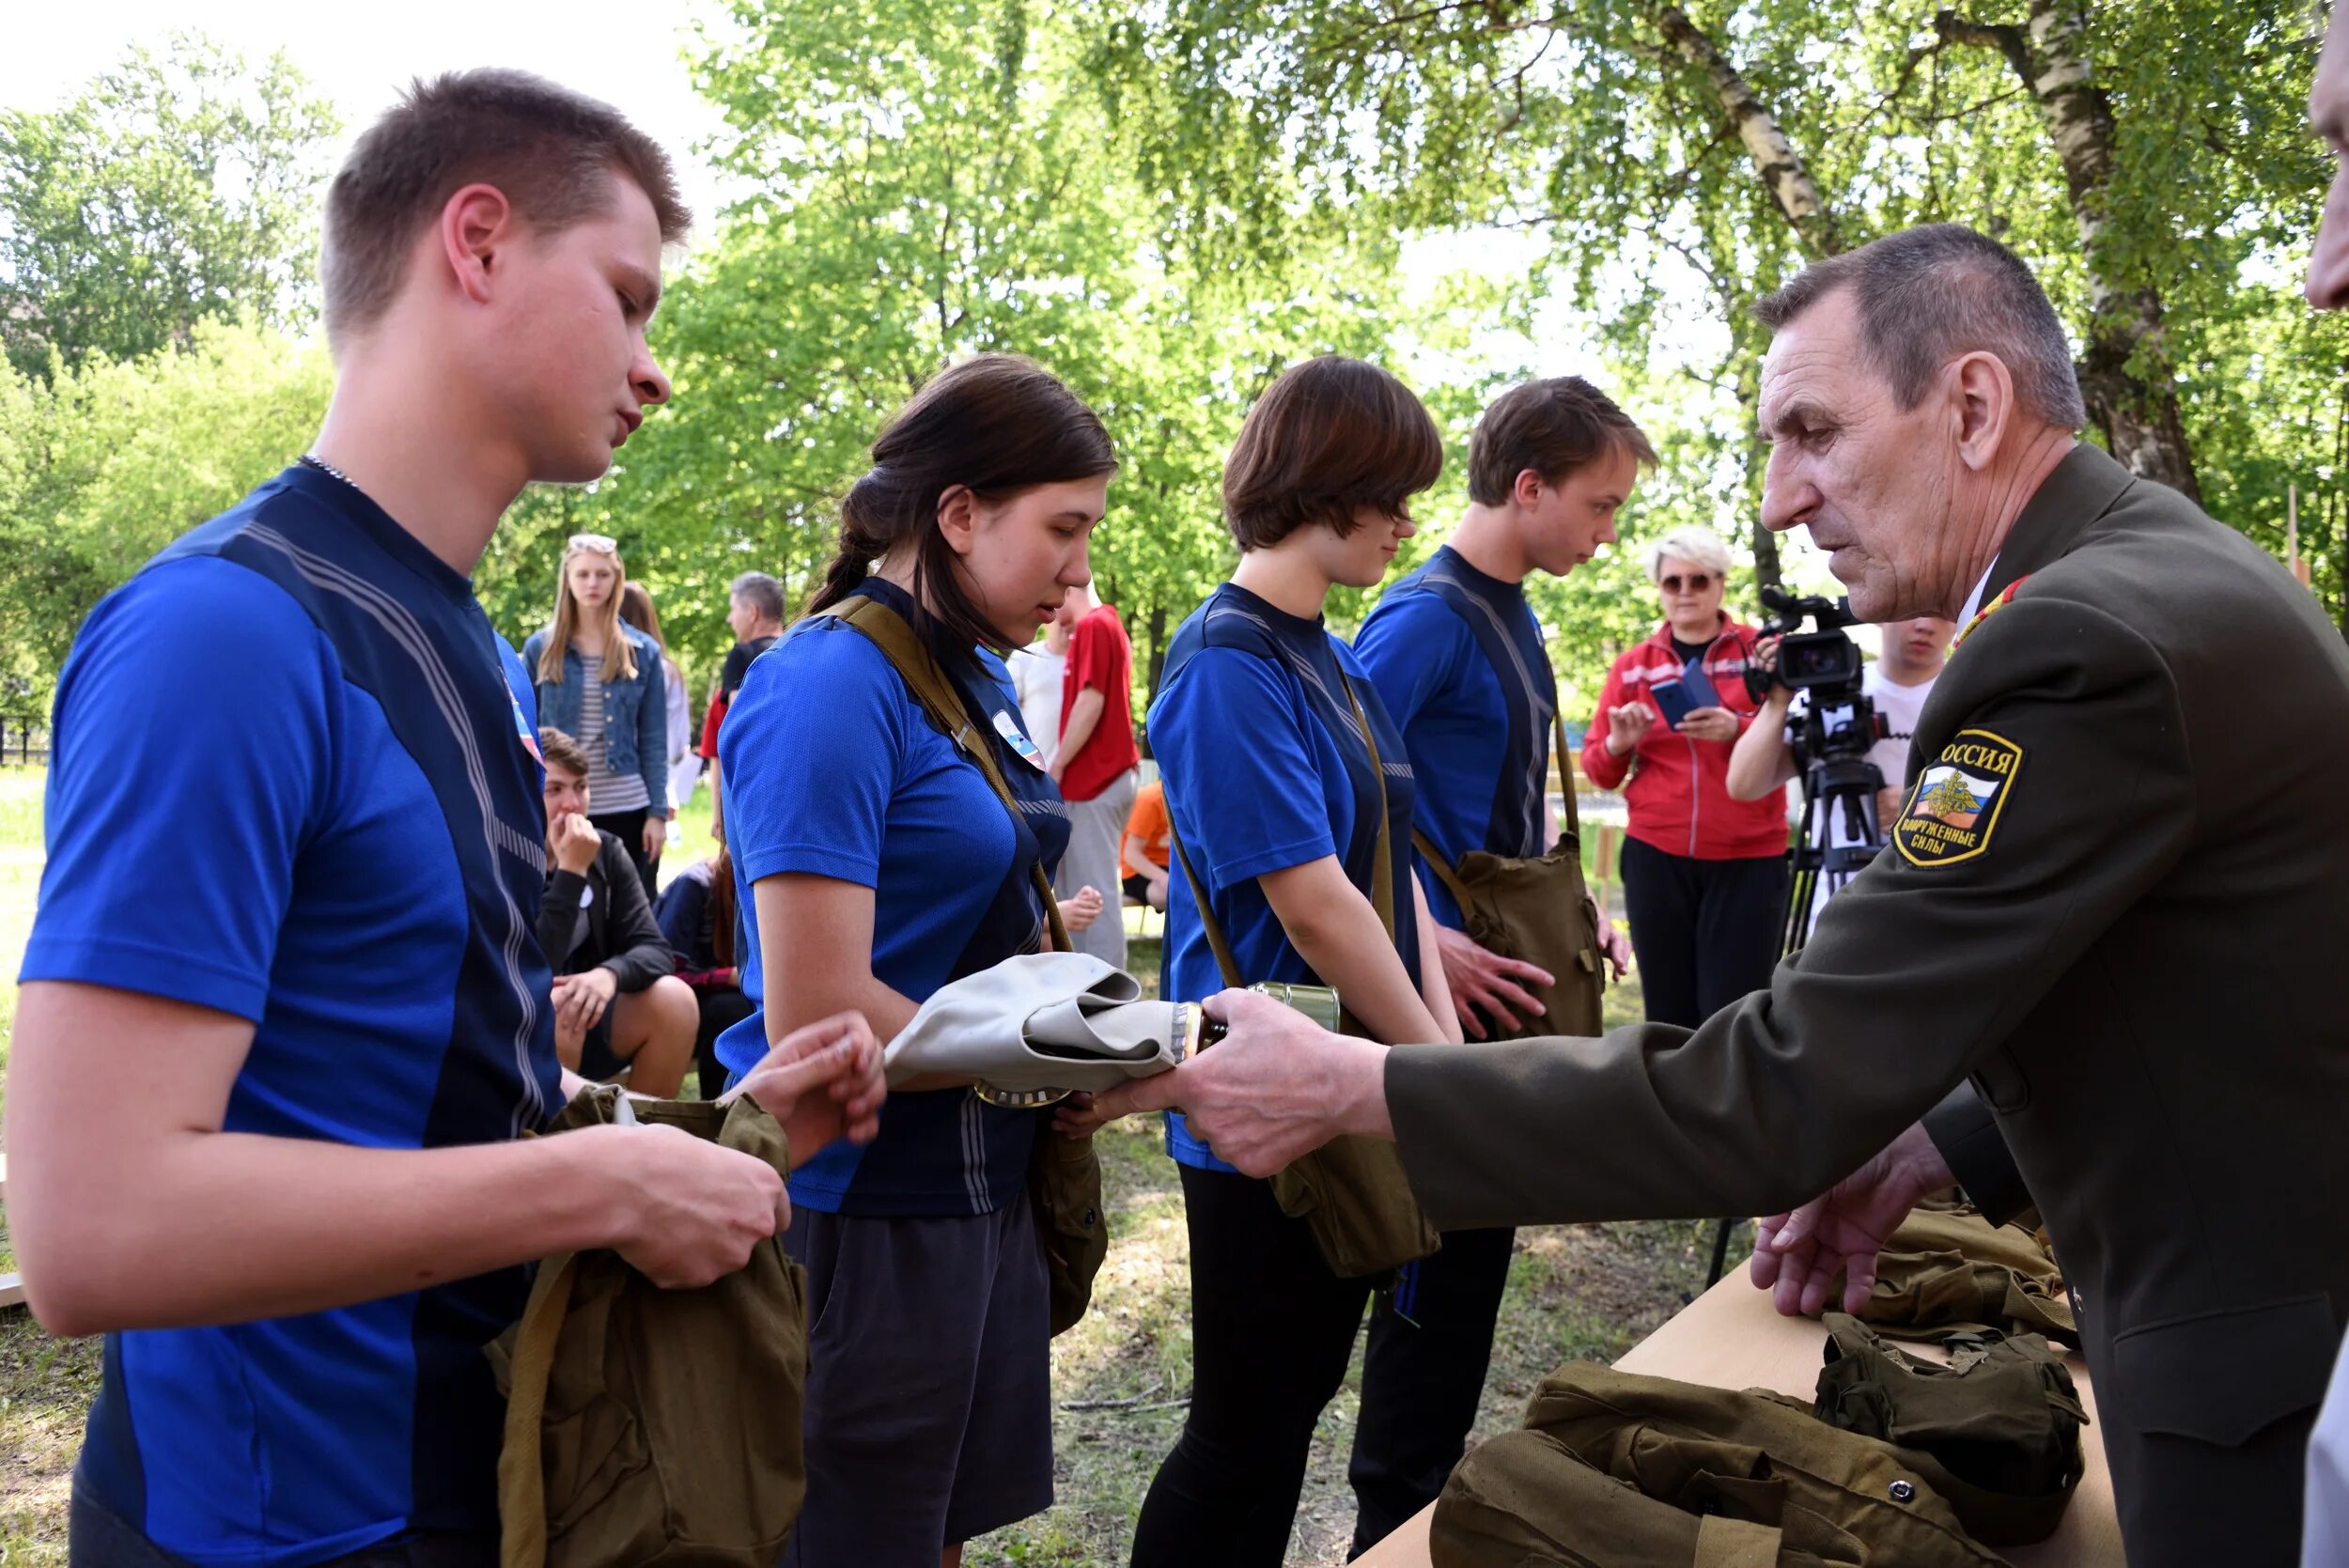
<point x="1704" y="932"/>
<point x="1272" y="1332"/>
<point x="629" y="828"/>
<point x="722" y="1007"/>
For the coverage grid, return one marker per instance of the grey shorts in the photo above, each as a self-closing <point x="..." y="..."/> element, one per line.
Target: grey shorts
<point x="929" y="1398"/>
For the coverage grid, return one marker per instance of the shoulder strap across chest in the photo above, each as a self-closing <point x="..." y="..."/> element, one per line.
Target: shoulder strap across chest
<point x="934" y="690"/>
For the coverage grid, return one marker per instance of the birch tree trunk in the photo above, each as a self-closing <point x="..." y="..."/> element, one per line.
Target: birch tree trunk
<point x="2137" y="409"/>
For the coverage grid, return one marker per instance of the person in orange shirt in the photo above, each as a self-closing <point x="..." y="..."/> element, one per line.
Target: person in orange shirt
<point x="1141" y="855"/>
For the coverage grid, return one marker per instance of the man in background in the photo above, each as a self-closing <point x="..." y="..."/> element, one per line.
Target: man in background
<point x="755" y="612"/>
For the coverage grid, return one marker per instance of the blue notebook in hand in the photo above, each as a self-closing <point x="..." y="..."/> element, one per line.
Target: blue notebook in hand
<point x="1678" y="698"/>
<point x="1696" y="687"/>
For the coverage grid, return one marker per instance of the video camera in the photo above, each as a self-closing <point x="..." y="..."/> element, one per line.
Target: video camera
<point x="1823" y="663"/>
<point x="1842" y="721"/>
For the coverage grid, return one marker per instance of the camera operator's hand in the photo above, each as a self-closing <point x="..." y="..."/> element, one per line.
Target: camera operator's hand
<point x="1765" y="653"/>
<point x="1710" y="723"/>
<point x="1625" y="725"/>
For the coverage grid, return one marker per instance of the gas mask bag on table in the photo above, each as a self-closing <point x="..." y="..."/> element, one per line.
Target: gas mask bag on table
<point x="1038" y="1027"/>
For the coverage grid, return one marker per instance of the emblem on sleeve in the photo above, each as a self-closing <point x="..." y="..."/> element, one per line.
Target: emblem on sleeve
<point x="1954" y="805"/>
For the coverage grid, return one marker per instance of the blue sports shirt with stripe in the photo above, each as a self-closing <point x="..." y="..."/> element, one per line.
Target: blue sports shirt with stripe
<point x="291" y="782"/>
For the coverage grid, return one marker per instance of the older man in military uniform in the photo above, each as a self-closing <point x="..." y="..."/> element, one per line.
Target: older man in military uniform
<point x="2117" y="900"/>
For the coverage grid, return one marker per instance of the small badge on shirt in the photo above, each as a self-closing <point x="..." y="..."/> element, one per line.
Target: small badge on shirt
<point x="1017" y="739"/>
<point x="1954" y="805"/>
<point x="522" y="727"/>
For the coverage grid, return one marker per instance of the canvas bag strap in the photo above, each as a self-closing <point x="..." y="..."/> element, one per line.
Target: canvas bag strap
<point x="521" y="1481"/>
<point x="1213" y="930"/>
<point x="936" y="693"/>
<point x="1382" y="894"/>
<point x="1565" y="773"/>
<point x="1382" y="863"/>
<point x="1443" y="868"/>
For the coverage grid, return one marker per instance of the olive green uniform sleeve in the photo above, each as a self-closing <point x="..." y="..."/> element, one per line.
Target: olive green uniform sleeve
<point x="2064" y="724"/>
<point x="1967" y="1134"/>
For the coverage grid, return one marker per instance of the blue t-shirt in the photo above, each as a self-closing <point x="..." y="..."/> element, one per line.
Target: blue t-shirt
<point x="289" y="783"/>
<point x="1458" y="658"/>
<point x="830" y="768"/>
<point x="1266" y="769"/>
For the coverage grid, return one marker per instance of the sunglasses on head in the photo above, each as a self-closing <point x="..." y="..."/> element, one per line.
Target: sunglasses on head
<point x="603" y="542"/>
<point x="1698" y="581"/>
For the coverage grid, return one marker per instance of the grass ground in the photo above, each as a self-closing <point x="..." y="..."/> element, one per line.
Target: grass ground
<point x="1580" y="1292"/>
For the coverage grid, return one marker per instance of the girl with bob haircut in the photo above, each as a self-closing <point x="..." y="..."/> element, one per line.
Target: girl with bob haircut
<point x="872" y="864"/>
<point x="1277" y="756"/>
<point x="602" y="682"/>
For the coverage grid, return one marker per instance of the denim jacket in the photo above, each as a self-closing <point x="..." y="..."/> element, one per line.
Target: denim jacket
<point x="635" y="712"/>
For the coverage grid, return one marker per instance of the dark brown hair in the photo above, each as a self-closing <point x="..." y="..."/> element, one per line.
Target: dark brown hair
<point x="557" y="750"/>
<point x="1330" y="435"/>
<point x="1929" y="294"/>
<point x="1552" y="426"/>
<point x="551" y="151"/>
<point x="996" y="425"/>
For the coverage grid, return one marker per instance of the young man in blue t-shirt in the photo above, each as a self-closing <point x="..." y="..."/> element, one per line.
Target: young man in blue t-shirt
<point x="1457" y="658"/>
<point x="295" y="854"/>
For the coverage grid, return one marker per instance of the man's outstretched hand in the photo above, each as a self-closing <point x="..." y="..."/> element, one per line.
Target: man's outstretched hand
<point x="1276" y="1086"/>
<point x="1798" y="1255"/>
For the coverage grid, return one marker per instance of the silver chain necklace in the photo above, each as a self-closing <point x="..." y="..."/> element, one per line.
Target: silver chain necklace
<point x="328" y="469"/>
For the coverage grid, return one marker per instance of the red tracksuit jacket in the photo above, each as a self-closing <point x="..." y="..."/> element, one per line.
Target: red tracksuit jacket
<point x="1678" y="798"/>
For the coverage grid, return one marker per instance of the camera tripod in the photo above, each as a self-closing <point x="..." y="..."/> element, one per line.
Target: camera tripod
<point x="1834" y="789"/>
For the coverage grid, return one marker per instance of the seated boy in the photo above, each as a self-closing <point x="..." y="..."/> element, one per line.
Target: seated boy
<point x="617" y="1007"/>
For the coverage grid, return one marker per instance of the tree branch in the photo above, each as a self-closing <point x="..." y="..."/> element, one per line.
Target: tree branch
<point x="1781" y="168"/>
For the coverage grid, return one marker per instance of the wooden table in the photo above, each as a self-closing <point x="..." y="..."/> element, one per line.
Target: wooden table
<point x="1731" y="1338"/>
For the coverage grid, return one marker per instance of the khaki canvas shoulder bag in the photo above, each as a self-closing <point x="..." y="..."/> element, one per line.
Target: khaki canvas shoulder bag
<point x="1536" y="910"/>
<point x="1351" y="1192"/>
<point x="1065" y="1174"/>
<point x="651" y="1426"/>
<point x="1616" y="1470"/>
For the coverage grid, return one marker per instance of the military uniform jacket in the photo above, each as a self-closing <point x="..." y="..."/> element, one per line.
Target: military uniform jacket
<point x="2118" y="900"/>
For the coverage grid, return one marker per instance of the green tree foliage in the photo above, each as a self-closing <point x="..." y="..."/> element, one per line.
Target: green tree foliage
<point x="2150" y="158"/>
<point x="105" y="465"/>
<point x="931" y="181"/>
<point x="178" y="187"/>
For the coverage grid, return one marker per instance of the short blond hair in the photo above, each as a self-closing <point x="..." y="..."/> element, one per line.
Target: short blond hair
<point x="1698" y="547"/>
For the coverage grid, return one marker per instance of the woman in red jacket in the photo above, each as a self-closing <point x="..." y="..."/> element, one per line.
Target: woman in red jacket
<point x="1704" y="875"/>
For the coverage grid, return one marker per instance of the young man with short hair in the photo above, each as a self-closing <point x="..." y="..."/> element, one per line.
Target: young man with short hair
<point x="618" y="1007"/>
<point x="295" y="855"/>
<point x="1458" y="659"/>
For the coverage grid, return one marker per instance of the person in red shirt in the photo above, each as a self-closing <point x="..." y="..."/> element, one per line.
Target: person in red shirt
<point x="1098" y="764"/>
<point x="1703" y="875"/>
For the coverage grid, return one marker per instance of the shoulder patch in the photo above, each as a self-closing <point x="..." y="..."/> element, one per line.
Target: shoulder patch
<point x="1954" y="805"/>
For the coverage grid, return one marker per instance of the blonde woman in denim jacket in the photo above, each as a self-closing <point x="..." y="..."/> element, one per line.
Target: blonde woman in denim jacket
<point x="601" y="682"/>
